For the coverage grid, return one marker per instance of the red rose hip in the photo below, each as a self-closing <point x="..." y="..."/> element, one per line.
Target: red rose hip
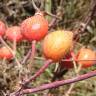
<point x="35" y="27"/>
<point x="5" y="53"/>
<point x="14" y="33"/>
<point x="86" y="57"/>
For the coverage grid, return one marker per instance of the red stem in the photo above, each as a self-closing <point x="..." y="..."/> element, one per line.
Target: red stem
<point x="26" y="57"/>
<point x="33" y="49"/>
<point x="39" y="72"/>
<point x="31" y="53"/>
<point x="59" y="83"/>
<point x="53" y="21"/>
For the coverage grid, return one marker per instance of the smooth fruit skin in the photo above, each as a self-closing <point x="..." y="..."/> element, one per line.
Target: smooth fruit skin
<point x="86" y="54"/>
<point x="56" y="44"/>
<point x="34" y="28"/>
<point x="14" y="33"/>
<point x="5" y="53"/>
<point x="2" y="28"/>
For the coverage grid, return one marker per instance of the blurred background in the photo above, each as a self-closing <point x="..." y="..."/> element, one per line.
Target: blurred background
<point x="72" y="14"/>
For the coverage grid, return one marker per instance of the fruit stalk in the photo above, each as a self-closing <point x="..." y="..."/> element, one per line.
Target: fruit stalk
<point x="59" y="83"/>
<point x="33" y="49"/>
<point x="26" y="57"/>
<point x="32" y="54"/>
<point x="14" y="46"/>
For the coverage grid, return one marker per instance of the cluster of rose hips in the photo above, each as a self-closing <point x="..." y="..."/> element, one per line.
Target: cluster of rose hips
<point x="57" y="45"/>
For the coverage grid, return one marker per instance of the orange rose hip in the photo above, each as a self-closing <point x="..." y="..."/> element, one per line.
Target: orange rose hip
<point x="86" y="57"/>
<point x="56" y="44"/>
<point x="5" y="53"/>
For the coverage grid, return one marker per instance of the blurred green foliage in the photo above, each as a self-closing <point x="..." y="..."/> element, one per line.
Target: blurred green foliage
<point x="72" y="14"/>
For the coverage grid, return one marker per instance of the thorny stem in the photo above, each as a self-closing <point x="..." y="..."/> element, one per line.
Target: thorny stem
<point x="59" y="83"/>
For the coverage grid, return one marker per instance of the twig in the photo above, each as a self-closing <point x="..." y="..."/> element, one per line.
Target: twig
<point x="88" y="19"/>
<point x="52" y="15"/>
<point x="52" y="23"/>
<point x="38" y="73"/>
<point x="41" y="70"/>
<point x="14" y="46"/>
<point x="70" y="89"/>
<point x="26" y="57"/>
<point x="59" y="83"/>
<point x="77" y="70"/>
<point x="54" y="20"/>
<point x="73" y="84"/>
<point x="34" y="5"/>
